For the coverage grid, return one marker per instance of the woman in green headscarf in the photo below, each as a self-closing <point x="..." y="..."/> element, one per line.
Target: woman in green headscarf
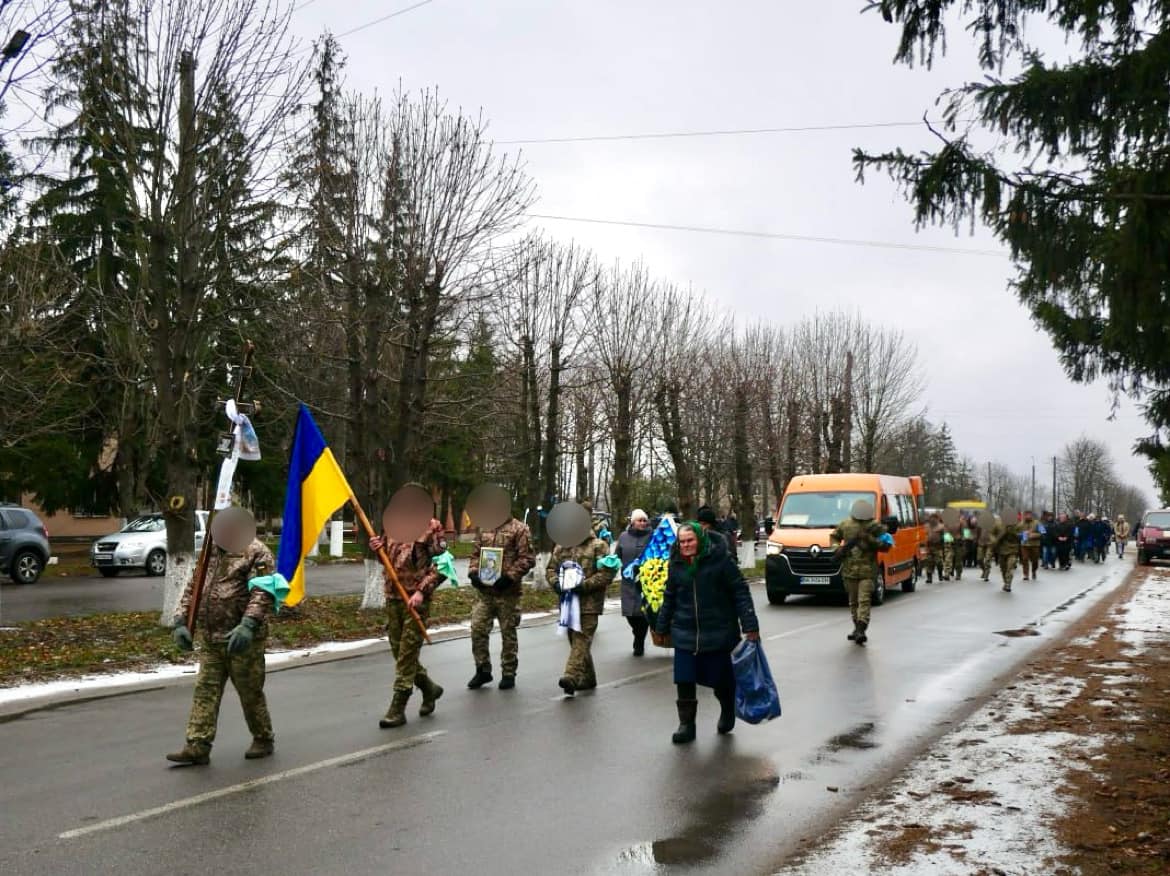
<point x="706" y="605"/>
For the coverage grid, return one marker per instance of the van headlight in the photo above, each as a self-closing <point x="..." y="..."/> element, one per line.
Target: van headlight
<point x="775" y="549"/>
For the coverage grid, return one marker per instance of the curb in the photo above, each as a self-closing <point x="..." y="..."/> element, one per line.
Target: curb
<point x="16" y="710"/>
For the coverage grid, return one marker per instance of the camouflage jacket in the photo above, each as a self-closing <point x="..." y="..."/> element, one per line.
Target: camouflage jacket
<point x="1006" y="539"/>
<point x="514" y="538"/>
<point x="226" y="600"/>
<point x="934" y="534"/>
<point x="861" y="560"/>
<point x="597" y="577"/>
<point x="414" y="563"/>
<point x="1032" y="527"/>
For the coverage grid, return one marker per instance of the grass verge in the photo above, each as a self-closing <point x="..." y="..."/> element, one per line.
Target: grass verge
<point x="102" y="643"/>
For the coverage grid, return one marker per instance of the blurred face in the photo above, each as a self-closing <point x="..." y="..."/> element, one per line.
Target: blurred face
<point x="640" y="523"/>
<point x="688" y="543"/>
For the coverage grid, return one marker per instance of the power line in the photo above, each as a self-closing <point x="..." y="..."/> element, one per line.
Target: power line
<point x="368" y="24"/>
<point x="729" y="132"/>
<point x="769" y="235"/>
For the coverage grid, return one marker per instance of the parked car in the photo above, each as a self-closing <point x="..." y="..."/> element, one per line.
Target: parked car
<point x="24" y="544"/>
<point x="140" y="544"/>
<point x="1153" y="536"/>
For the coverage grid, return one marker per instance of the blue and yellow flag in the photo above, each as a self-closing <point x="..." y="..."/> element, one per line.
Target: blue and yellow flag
<point x="316" y="489"/>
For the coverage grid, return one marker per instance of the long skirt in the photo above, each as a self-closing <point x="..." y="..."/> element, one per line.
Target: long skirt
<point x="708" y="669"/>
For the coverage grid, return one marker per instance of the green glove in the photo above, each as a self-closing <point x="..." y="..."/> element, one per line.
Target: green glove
<point x="240" y="638"/>
<point x="182" y="637"/>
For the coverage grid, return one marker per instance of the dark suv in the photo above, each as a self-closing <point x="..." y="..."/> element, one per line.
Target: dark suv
<point x="24" y="544"/>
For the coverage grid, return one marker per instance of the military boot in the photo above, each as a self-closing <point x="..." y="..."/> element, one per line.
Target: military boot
<point x="483" y="674"/>
<point x="430" y="693"/>
<point x="567" y="685"/>
<point x="193" y="754"/>
<point x="260" y="748"/>
<point x="861" y="638"/>
<point x="507" y="682"/>
<point x="687" y="710"/>
<point x="852" y="637"/>
<point x="396" y="714"/>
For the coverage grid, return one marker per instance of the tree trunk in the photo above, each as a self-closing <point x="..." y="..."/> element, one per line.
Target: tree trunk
<point x="792" y="441"/>
<point x="623" y="442"/>
<point x="743" y="464"/>
<point x="847" y="418"/>
<point x="552" y="424"/>
<point x="817" y="461"/>
<point x="666" y="402"/>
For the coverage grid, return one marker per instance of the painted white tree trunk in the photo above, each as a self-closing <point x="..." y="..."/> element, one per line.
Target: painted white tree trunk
<point x="747" y="555"/>
<point x="180" y="568"/>
<point x="537" y="573"/>
<point x="374" y="596"/>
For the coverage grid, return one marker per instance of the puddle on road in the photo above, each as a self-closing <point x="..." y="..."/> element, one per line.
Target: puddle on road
<point x="1022" y="631"/>
<point x="858" y="738"/>
<point x="714" y="820"/>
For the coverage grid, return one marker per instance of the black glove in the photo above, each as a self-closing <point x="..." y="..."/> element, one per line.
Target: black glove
<point x="240" y="638"/>
<point x="504" y="583"/>
<point x="182" y="637"/>
<point x="475" y="582"/>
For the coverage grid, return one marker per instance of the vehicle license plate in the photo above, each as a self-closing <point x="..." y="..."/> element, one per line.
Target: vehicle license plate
<point x="815" y="580"/>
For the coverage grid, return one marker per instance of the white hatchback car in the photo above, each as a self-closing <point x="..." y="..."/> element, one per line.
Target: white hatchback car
<point x="140" y="544"/>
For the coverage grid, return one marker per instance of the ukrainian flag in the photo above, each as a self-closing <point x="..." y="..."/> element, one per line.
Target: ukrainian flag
<point x="316" y="489"/>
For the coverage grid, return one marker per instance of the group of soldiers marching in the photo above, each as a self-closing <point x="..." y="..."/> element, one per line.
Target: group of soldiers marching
<point x="233" y="618"/>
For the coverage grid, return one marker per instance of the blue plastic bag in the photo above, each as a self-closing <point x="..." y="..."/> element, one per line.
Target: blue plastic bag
<point x="756" y="697"/>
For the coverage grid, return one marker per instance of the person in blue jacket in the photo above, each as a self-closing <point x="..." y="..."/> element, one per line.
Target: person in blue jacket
<point x="706" y="605"/>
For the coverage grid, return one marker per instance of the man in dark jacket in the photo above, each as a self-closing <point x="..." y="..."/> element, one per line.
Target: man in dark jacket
<point x="706" y="605"/>
<point x="1063" y="533"/>
<point x="630" y="545"/>
<point x="710" y="523"/>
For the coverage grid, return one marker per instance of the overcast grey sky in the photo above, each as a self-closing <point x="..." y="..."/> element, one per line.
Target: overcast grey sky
<point x="569" y="68"/>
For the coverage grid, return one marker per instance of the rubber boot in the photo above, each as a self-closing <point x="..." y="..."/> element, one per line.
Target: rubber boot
<point x="483" y="674"/>
<point x="192" y="754"/>
<point x="726" y="711"/>
<point x="687" y="710"/>
<point x="861" y="638"/>
<point x="260" y="748"/>
<point x="396" y="714"/>
<point x="430" y="693"/>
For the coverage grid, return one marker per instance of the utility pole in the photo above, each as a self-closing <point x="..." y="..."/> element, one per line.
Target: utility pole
<point x="1033" y="485"/>
<point x="990" y="503"/>
<point x="1055" y="504"/>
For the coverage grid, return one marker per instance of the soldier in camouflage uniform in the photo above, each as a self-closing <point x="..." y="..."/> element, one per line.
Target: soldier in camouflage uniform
<point x="935" y="553"/>
<point x="589" y="554"/>
<point x="232" y="620"/>
<point x="860" y="539"/>
<point x="953" y="553"/>
<point x="499" y="599"/>
<point x="414" y="565"/>
<point x="1006" y="542"/>
<point x="986" y="549"/>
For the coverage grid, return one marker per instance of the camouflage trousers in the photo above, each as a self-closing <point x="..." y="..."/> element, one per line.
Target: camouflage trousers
<point x="1030" y="559"/>
<point x="406" y="643"/>
<point x="490" y="607"/>
<point x="953" y="560"/>
<point x="985" y="556"/>
<point x="579" y="666"/>
<point x="1007" y="566"/>
<point x="860" y="592"/>
<point x="246" y="673"/>
<point x="935" y="557"/>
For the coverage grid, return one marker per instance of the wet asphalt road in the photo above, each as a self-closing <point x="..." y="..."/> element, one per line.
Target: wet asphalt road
<point x="525" y="781"/>
<point x="133" y="591"/>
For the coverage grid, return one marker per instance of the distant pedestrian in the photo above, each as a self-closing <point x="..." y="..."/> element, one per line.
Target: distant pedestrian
<point x="859" y="539"/>
<point x="1007" y="546"/>
<point x="1064" y="534"/>
<point x="1030" y="545"/>
<point x="986" y="548"/>
<point x="630" y="545"/>
<point x="1121" y="535"/>
<point x="1083" y="547"/>
<point x="935" y="548"/>
<point x="706" y="605"/>
<point x="707" y="519"/>
<point x="414" y="565"/>
<point x="953" y="549"/>
<point x="1102" y="536"/>
<point x="1047" y="540"/>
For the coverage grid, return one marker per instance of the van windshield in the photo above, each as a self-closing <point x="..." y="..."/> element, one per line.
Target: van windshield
<point x="818" y="510"/>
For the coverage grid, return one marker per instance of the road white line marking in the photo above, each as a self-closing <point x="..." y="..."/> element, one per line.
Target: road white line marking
<point x="803" y="629"/>
<point x="199" y="799"/>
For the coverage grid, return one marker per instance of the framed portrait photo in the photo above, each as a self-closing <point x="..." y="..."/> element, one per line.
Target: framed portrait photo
<point x="491" y="562"/>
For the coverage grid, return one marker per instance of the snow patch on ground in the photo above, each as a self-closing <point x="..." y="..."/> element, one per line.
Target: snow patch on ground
<point x="986" y="795"/>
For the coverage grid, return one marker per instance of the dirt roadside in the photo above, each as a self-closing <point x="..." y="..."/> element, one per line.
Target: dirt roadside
<point x="1064" y="771"/>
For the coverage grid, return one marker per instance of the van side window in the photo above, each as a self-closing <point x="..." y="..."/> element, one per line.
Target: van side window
<point x="907" y="503"/>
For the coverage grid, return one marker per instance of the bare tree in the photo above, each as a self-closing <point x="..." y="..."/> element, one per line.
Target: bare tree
<point x="886" y="384"/>
<point x="1086" y="476"/>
